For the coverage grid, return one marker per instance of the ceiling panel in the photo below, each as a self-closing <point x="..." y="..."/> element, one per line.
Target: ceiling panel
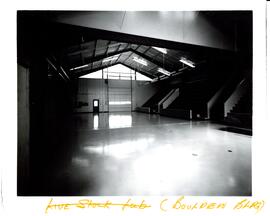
<point x="101" y="47"/>
<point x="112" y="49"/>
<point x="152" y="53"/>
<point x="96" y="64"/>
<point x="142" y="48"/>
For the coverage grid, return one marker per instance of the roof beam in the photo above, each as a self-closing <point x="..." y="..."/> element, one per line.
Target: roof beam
<point x="94" y="52"/>
<point x="93" y="70"/>
<point x="58" y="68"/>
<point x="98" y="58"/>
<point x="116" y="63"/>
<point x="106" y="52"/>
<point x="77" y="51"/>
<point x="108" y="46"/>
<point x="135" y="69"/>
<point x="131" y="53"/>
<point x="118" y="50"/>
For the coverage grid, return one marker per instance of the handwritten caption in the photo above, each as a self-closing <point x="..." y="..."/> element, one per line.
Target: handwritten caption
<point x="164" y="205"/>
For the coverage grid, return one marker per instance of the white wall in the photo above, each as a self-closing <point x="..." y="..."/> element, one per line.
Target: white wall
<point x="89" y="89"/>
<point x="179" y="26"/>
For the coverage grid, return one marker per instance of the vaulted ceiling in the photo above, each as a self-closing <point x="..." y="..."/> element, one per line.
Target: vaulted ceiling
<point x="94" y="55"/>
<point x="80" y="50"/>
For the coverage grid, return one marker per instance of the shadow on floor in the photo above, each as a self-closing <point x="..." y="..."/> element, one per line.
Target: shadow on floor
<point x="244" y="131"/>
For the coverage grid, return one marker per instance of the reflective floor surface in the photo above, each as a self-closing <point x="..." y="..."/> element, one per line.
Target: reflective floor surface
<point x="86" y="121"/>
<point x="142" y="154"/>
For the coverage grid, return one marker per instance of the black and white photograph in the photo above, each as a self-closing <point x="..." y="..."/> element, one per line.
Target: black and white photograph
<point x="132" y="108"/>
<point x="134" y="103"/>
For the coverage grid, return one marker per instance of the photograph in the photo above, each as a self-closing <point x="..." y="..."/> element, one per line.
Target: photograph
<point x="134" y="103"/>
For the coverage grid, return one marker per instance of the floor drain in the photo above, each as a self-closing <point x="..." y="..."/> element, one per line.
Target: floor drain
<point x="194" y="154"/>
<point x="229" y="150"/>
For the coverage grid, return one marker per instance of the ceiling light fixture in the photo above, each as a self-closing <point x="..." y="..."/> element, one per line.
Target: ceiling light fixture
<point x="187" y="62"/>
<point x="163" y="50"/>
<point x="79" y="67"/>
<point x="163" y="71"/>
<point x="139" y="60"/>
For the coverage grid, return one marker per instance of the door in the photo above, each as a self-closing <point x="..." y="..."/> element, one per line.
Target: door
<point x="119" y="95"/>
<point x="96" y="106"/>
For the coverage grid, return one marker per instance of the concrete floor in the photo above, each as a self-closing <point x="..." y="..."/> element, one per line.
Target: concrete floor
<point x="141" y="154"/>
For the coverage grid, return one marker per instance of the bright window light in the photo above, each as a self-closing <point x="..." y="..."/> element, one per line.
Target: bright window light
<point x="163" y="71"/>
<point x="111" y="58"/>
<point x="80" y="67"/>
<point x="140" y="61"/>
<point x="187" y="62"/>
<point x="141" y="77"/>
<point x="119" y="102"/>
<point x="119" y="72"/>
<point x="118" y="68"/>
<point x="162" y="50"/>
<point x="94" y="75"/>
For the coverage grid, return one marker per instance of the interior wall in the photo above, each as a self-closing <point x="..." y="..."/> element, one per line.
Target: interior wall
<point x="120" y="91"/>
<point x="44" y="108"/>
<point x="144" y="92"/>
<point x="23" y="128"/>
<point x="89" y="89"/>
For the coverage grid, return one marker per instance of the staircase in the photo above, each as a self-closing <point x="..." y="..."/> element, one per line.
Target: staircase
<point x="193" y="99"/>
<point x="241" y="113"/>
<point x="152" y="103"/>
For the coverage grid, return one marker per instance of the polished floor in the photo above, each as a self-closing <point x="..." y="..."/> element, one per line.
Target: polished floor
<point x="141" y="154"/>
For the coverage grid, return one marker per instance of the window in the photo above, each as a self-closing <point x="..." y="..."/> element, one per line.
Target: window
<point x="95" y="103"/>
<point x="119" y="72"/>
